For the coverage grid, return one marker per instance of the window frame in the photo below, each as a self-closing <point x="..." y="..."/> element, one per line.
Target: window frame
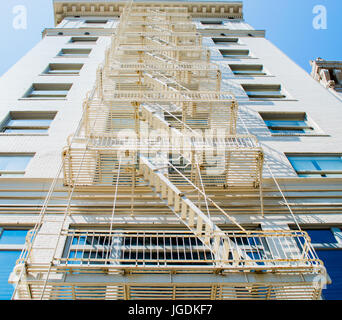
<point x="223" y="52"/>
<point x="267" y="89"/>
<point x="319" y="173"/>
<point x="61" y="53"/>
<point x="336" y="231"/>
<point x="24" y="115"/>
<point x="94" y="22"/>
<point x="9" y="246"/>
<point x="83" y="40"/>
<point x="212" y="22"/>
<point x="48" y="87"/>
<point x="48" y="71"/>
<point x="14" y="247"/>
<point x="285" y="130"/>
<point x="17" y="173"/>
<point x="249" y="72"/>
<point x="226" y="40"/>
<point x="326" y="245"/>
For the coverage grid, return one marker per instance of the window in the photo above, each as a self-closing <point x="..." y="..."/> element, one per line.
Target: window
<point x="328" y="246"/>
<point x="288" y="123"/>
<point x="247" y="69"/>
<point x="225" y="41"/>
<point x="14" y="165"/>
<point x="263" y="91"/>
<point x="63" y="68"/>
<point x="74" y="53"/>
<point x="96" y="22"/>
<point x="317" y="165"/>
<point x="235" y="54"/>
<point x="128" y="249"/>
<point x="84" y="40"/>
<point x="169" y="246"/>
<point x="215" y="22"/>
<point x="27" y="122"/>
<point x="48" y="90"/>
<point x="321" y="236"/>
<point x="12" y="242"/>
<point x="333" y="262"/>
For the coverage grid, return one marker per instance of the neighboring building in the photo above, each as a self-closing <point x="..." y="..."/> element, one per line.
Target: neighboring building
<point x="329" y="74"/>
<point x="97" y="163"/>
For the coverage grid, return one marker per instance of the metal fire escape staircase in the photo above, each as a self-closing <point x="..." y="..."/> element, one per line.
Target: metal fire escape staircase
<point x="210" y="101"/>
<point x="157" y="81"/>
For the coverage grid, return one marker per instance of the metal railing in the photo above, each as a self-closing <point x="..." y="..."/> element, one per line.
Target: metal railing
<point x="269" y="251"/>
<point x="158" y="291"/>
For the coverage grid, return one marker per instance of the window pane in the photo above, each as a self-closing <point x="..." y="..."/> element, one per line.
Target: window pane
<point x="96" y="21"/>
<point x="249" y="72"/>
<point x="321" y="236"/>
<point x="302" y="164"/>
<point x="241" y="69"/>
<point x="18" y="130"/>
<point x="318" y="164"/>
<point x="79" y="241"/>
<point x="333" y="262"/>
<point x="235" y="54"/>
<point x="286" y="131"/>
<point x="334" y="164"/>
<point x="75" y="52"/>
<point x="287" y="126"/>
<point x="75" y="255"/>
<point x="225" y="41"/>
<point x="212" y="22"/>
<point x="334" y="175"/>
<point x="45" y="90"/>
<point x="48" y="93"/>
<point x="285" y="123"/>
<point x="63" y="72"/>
<point x="63" y="68"/>
<point x="263" y="91"/>
<point x="14" y="163"/>
<point x="13" y="236"/>
<point x="86" y="40"/>
<point x="7" y="263"/>
<point x="29" y="123"/>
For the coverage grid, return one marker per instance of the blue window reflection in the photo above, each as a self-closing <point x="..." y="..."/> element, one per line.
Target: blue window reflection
<point x="8" y="258"/>
<point x="321" y="236"/>
<point x="315" y="166"/>
<point x="333" y="262"/>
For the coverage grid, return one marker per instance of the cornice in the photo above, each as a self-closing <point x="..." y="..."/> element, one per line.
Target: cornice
<point x="327" y="64"/>
<point x="197" y="9"/>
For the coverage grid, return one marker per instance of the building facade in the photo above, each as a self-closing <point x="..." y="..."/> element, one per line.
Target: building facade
<point x="167" y="150"/>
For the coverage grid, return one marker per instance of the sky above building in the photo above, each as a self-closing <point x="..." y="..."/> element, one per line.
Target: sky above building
<point x="302" y="29"/>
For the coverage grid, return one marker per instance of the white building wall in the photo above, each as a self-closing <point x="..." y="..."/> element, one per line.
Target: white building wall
<point x="304" y="95"/>
<point x="15" y="83"/>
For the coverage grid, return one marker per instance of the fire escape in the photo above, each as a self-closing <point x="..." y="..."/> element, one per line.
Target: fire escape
<point x="158" y="120"/>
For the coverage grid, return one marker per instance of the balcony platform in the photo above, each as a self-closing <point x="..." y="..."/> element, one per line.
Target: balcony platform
<point x="157" y="265"/>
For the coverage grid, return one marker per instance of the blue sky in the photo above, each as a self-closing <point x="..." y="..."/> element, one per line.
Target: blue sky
<point x="288" y="24"/>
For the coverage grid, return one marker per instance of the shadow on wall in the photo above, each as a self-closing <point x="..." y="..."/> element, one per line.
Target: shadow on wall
<point x="277" y="161"/>
<point x="256" y="125"/>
